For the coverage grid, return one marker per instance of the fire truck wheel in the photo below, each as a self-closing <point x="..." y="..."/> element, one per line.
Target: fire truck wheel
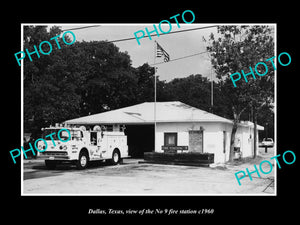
<point x="115" y="157"/>
<point x="82" y="161"/>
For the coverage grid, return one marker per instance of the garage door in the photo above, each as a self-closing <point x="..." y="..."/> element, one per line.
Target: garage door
<point x="140" y="139"/>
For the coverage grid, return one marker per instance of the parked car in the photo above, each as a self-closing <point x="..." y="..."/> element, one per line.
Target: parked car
<point x="267" y="142"/>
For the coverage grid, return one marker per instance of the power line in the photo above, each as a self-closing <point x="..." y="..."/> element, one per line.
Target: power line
<point x="152" y="35"/>
<point x="78" y="28"/>
<point x="127" y="39"/>
<point x="179" y="31"/>
<point x="187" y="56"/>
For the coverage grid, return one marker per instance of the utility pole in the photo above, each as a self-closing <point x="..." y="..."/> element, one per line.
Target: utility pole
<point x="211" y="86"/>
<point x="266" y="147"/>
<point x="212" y="90"/>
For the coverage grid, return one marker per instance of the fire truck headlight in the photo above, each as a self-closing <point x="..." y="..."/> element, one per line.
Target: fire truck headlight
<point x="41" y="145"/>
<point x="63" y="147"/>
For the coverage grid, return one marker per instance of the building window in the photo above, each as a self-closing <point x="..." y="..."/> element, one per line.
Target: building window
<point x="94" y="138"/>
<point x="170" y="139"/>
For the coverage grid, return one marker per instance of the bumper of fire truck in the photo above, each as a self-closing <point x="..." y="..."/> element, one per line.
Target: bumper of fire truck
<point x="55" y="155"/>
<point x="59" y="152"/>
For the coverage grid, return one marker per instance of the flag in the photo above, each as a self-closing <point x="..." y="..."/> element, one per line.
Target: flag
<point x="161" y="52"/>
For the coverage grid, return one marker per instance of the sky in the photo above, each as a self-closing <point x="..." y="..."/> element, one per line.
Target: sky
<point x="176" y="45"/>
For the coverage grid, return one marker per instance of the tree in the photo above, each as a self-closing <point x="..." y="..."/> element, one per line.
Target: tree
<point x="239" y="48"/>
<point x="145" y="82"/>
<point x="108" y="80"/>
<point x="49" y="93"/>
<point x="77" y="80"/>
<point x="192" y="90"/>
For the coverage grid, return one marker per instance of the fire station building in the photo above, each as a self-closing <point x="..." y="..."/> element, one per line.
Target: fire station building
<point x="179" y="127"/>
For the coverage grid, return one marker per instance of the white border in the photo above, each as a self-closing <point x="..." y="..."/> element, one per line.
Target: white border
<point x="22" y="110"/>
<point x="140" y="24"/>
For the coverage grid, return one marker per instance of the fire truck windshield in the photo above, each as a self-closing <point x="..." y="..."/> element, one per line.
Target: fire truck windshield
<point x="50" y="131"/>
<point x="75" y="134"/>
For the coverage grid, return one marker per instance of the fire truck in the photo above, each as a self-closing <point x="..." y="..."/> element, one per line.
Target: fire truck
<point x="83" y="146"/>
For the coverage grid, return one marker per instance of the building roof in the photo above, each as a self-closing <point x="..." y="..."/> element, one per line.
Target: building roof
<point x="143" y="113"/>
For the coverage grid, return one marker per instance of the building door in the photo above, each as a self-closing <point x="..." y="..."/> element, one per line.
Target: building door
<point x="196" y="141"/>
<point x="224" y="141"/>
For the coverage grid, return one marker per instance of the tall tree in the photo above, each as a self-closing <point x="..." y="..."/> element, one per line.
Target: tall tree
<point x="49" y="93"/>
<point x="109" y="81"/>
<point x="238" y="48"/>
<point x="77" y="80"/>
<point x="193" y="90"/>
<point x="145" y="82"/>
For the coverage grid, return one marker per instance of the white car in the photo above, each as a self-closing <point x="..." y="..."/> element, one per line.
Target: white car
<point x="267" y="142"/>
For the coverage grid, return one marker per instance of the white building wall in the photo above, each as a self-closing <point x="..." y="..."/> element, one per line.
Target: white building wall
<point x="213" y="141"/>
<point x="246" y="141"/>
<point x="180" y="128"/>
<point x="246" y="135"/>
<point x="227" y="128"/>
<point x="212" y="137"/>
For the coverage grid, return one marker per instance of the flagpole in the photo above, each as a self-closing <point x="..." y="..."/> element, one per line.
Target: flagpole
<point x="155" y="46"/>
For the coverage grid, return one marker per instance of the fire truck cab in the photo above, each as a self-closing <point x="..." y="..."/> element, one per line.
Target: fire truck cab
<point x="84" y="145"/>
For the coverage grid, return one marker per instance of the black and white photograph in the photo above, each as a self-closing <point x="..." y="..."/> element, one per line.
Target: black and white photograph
<point x="115" y="116"/>
<point x="153" y="113"/>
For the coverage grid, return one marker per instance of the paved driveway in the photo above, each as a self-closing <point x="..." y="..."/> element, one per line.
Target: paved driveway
<point x="134" y="178"/>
